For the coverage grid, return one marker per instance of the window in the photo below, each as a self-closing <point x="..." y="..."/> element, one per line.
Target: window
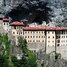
<point x="48" y="36"/>
<point x="21" y="32"/>
<point x="33" y="31"/>
<point x="36" y="36"/>
<point x="35" y="51"/>
<point x="25" y="32"/>
<point x="39" y="41"/>
<point x="58" y="32"/>
<point x="33" y="40"/>
<point x="52" y="32"/>
<point x="58" y="37"/>
<point x="7" y="23"/>
<point x="17" y="27"/>
<point x="58" y="45"/>
<point x="62" y="36"/>
<point x="4" y="23"/>
<point x="58" y="41"/>
<point x="48" y="41"/>
<point x="42" y="31"/>
<point x="17" y="32"/>
<point x="48" y="31"/>
<point x="25" y="36"/>
<point x="52" y="41"/>
<point x="66" y="36"/>
<point x="66" y="32"/>
<point x="13" y="32"/>
<point x="53" y="45"/>
<point x="21" y="27"/>
<point x="63" y="32"/>
<point x="28" y="36"/>
<point x="30" y="41"/>
<point x="39" y="36"/>
<point x="53" y="36"/>
<point x="36" y="31"/>
<point x="42" y="36"/>
<point x="42" y="40"/>
<point x="39" y="31"/>
<point x="14" y="27"/>
<point x="48" y="45"/>
<point x="33" y="36"/>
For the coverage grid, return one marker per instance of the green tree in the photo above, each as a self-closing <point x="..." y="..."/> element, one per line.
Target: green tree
<point x="6" y="50"/>
<point x="28" y="58"/>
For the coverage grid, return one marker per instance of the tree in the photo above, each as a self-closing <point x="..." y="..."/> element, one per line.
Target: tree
<point x="28" y="58"/>
<point x="6" y="49"/>
<point x="7" y="60"/>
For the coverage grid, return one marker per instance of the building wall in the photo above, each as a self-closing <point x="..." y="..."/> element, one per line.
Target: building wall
<point x="37" y="39"/>
<point x="34" y="36"/>
<point x="6" y="26"/>
<point x="50" y="38"/>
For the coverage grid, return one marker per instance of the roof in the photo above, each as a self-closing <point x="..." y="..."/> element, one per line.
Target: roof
<point x="16" y="23"/>
<point x="44" y="28"/>
<point x="6" y="19"/>
<point x="1" y="18"/>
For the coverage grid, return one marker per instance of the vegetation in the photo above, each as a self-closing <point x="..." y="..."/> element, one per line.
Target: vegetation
<point x="28" y="58"/>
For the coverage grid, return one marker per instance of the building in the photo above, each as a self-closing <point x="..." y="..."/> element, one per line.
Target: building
<point x="38" y="37"/>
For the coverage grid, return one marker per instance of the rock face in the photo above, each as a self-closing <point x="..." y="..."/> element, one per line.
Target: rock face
<point x="59" y="7"/>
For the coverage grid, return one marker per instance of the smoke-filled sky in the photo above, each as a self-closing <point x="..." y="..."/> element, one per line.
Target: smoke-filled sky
<point x="31" y="11"/>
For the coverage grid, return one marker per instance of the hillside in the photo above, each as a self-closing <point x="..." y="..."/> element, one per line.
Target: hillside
<point x="59" y="7"/>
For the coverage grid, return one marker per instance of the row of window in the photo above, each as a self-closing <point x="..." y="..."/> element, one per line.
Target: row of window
<point x="36" y="41"/>
<point x="54" y="45"/>
<point x="6" y="23"/>
<point x="51" y="32"/>
<point x="18" y="33"/>
<point x="34" y="32"/>
<point x="58" y="45"/>
<point x="61" y="37"/>
<point x="58" y="41"/>
<point x="38" y="32"/>
<point x="50" y="41"/>
<point x="58" y="32"/>
<point x="49" y="37"/>
<point x="17" y="27"/>
<point x="61" y="32"/>
<point x="62" y="44"/>
<point x="34" y="36"/>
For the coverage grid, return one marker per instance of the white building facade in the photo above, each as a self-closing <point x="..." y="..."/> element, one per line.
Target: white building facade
<point x="39" y="37"/>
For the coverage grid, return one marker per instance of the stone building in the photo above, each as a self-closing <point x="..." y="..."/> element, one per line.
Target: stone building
<point x="38" y="37"/>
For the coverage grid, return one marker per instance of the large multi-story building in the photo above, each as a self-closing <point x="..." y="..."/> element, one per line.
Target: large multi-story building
<point x="37" y="37"/>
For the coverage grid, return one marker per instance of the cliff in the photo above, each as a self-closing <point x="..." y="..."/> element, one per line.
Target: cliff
<point x="59" y="7"/>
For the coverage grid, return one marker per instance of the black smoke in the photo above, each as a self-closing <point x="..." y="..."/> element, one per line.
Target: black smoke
<point x="32" y="11"/>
